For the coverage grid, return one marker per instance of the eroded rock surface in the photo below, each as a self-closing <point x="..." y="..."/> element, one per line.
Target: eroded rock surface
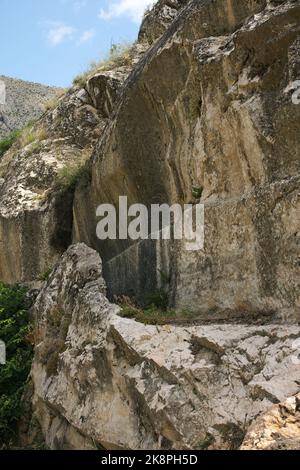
<point x="207" y="110"/>
<point x="37" y="178"/>
<point x="277" y="429"/>
<point x="100" y="379"/>
<point x="210" y="108"/>
<point x="157" y="20"/>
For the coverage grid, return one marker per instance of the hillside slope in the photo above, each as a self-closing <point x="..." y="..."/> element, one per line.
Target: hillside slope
<point x="25" y="102"/>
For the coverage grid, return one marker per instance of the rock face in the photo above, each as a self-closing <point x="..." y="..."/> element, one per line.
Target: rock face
<point x="37" y="178"/>
<point x="206" y="110"/>
<point x="206" y="107"/>
<point x="277" y="429"/>
<point x="100" y="379"/>
<point x="157" y="20"/>
<point x="25" y="101"/>
<point x="210" y="107"/>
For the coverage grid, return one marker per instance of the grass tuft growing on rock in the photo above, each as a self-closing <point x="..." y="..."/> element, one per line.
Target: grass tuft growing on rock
<point x="29" y="135"/>
<point x="45" y="275"/>
<point x="53" y="102"/>
<point x="6" y="144"/>
<point x="69" y="175"/>
<point x="151" y="314"/>
<point x="119" y="55"/>
<point x="24" y="137"/>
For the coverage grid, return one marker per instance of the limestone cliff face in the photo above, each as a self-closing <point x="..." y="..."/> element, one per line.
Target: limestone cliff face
<point x="210" y="107"/>
<point x="100" y="379"/>
<point x="157" y="20"/>
<point x="205" y="102"/>
<point x="36" y="216"/>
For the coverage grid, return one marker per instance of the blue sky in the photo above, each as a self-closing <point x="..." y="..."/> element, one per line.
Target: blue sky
<point x="51" y="41"/>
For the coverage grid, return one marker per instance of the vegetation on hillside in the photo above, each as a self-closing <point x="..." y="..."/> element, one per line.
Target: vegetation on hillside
<point x="5" y="144"/>
<point x="69" y="175"/>
<point x="23" y="137"/>
<point x="53" y="102"/>
<point x="14" y="331"/>
<point x="119" y="55"/>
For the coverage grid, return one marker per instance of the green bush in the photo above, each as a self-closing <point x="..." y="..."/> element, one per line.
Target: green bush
<point x="14" y="331"/>
<point x="158" y="299"/>
<point x="149" y="315"/>
<point x="8" y="142"/>
<point x="197" y="192"/>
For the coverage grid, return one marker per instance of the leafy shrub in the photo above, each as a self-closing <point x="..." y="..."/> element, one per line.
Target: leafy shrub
<point x="158" y="299"/>
<point x="154" y="313"/>
<point x="14" y="331"/>
<point x="8" y="142"/>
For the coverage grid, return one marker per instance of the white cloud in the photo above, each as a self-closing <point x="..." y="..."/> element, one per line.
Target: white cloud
<point x="59" y="32"/>
<point x="132" y="8"/>
<point x="86" y="36"/>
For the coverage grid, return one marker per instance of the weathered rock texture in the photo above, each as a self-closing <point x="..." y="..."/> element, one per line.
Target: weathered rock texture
<point x="157" y="20"/>
<point x="37" y="179"/>
<point x="210" y="107"/>
<point x="206" y="110"/>
<point x="25" y="101"/>
<point x="277" y="429"/>
<point x="100" y="379"/>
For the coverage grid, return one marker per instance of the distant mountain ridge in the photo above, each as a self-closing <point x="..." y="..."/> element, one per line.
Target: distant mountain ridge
<point x="25" y="101"/>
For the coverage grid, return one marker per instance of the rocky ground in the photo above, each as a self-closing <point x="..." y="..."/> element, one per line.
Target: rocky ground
<point x="277" y="428"/>
<point x="100" y="379"/>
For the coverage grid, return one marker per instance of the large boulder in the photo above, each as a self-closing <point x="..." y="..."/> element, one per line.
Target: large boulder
<point x="103" y="380"/>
